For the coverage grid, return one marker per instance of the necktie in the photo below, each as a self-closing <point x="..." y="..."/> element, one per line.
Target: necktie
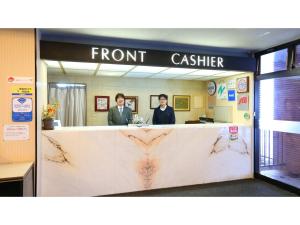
<point x="121" y="110"/>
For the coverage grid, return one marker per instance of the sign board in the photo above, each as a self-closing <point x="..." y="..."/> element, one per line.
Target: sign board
<point x="221" y="90"/>
<point x="22" y="109"/>
<point x="16" y="132"/>
<point x="242" y="84"/>
<point x="231" y="84"/>
<point x="234" y="133"/>
<point x="20" y="80"/>
<point x="21" y="90"/>
<point x="243" y="102"/>
<point x="231" y="95"/>
<point x="62" y="51"/>
<point x="211" y="88"/>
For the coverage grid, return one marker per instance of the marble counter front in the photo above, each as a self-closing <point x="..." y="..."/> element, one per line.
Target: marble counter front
<point x="92" y="161"/>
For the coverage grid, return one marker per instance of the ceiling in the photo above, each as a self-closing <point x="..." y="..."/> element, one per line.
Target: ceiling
<point x="112" y="70"/>
<point x="251" y="40"/>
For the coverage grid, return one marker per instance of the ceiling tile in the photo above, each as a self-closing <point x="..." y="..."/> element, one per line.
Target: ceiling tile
<point x="111" y="73"/>
<point x="115" y="67"/>
<point x="52" y="64"/>
<point x="148" y="69"/>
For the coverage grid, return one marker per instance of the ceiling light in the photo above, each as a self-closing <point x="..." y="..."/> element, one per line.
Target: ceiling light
<point x="52" y="64"/>
<point x="79" y="72"/>
<point x="111" y="73"/>
<point x="79" y="65"/>
<point x="178" y="71"/>
<point x="148" y="69"/>
<point x="115" y="67"/>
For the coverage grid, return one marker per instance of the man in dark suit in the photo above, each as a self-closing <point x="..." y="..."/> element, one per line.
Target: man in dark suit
<point x="163" y="114"/>
<point x="119" y="114"/>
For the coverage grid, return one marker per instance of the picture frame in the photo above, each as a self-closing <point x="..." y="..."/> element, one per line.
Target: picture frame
<point x="182" y="102"/>
<point x="154" y="101"/>
<point x="101" y="103"/>
<point x="242" y="85"/>
<point x="132" y="103"/>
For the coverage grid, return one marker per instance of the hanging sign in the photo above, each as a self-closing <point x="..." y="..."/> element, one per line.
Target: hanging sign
<point x="211" y="88"/>
<point x="22" y="109"/>
<point x="16" y="132"/>
<point x="231" y="95"/>
<point x="243" y="102"/>
<point x="62" y="51"/>
<point x="221" y="90"/>
<point x="21" y="90"/>
<point x="19" y="80"/>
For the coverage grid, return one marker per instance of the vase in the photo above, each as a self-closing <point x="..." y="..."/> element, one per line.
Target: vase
<point x="48" y="124"/>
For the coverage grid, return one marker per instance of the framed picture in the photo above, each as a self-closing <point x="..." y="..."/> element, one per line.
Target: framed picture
<point x="242" y="85"/>
<point x="181" y="102"/>
<point x="154" y="101"/>
<point x="132" y="103"/>
<point x="101" y="103"/>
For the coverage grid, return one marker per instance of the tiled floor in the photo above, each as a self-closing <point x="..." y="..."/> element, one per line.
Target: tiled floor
<point x="249" y="187"/>
<point x="282" y="176"/>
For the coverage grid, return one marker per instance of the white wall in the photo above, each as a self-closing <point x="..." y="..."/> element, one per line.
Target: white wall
<point x="141" y="87"/>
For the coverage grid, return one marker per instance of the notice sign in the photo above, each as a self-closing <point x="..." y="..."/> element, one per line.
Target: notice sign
<point x="19" y="80"/>
<point x="234" y="133"/>
<point x="21" y="90"/>
<point x="16" y="132"/>
<point x="22" y="109"/>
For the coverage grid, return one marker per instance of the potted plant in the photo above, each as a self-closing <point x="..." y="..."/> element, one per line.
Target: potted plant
<point x="48" y="116"/>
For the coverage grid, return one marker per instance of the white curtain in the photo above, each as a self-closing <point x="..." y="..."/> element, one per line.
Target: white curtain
<point x="72" y="100"/>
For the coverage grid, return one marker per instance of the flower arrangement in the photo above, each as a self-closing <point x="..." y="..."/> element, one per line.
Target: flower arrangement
<point x="138" y="121"/>
<point x="50" y="111"/>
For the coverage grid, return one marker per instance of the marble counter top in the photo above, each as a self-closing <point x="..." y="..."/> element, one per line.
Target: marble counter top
<point x="102" y="160"/>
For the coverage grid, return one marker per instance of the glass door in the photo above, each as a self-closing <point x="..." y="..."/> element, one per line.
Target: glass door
<point x="277" y="129"/>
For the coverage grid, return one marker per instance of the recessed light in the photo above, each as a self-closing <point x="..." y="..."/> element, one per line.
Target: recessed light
<point x="115" y="67"/>
<point x="79" y="65"/>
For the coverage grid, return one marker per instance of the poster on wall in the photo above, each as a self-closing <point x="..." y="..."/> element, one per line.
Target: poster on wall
<point x="242" y="85"/>
<point x="221" y="90"/>
<point x="243" y="102"/>
<point x="231" y="95"/>
<point x="16" y="132"/>
<point x="22" y="109"/>
<point x="231" y="84"/>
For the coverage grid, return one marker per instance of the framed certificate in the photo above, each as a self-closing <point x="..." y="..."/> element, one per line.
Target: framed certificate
<point x="101" y="103"/>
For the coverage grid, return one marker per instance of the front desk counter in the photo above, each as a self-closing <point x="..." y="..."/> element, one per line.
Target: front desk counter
<point x="93" y="161"/>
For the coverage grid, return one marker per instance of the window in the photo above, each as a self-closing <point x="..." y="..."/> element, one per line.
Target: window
<point x="274" y="61"/>
<point x="297" y="61"/>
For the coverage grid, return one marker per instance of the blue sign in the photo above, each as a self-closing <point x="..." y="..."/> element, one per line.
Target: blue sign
<point x="231" y="95"/>
<point x="22" y="109"/>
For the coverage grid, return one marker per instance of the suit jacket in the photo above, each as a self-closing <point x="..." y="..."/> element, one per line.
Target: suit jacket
<point x="114" y="117"/>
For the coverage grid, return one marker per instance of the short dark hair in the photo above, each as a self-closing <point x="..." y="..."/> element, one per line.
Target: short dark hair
<point x="163" y="96"/>
<point x="119" y="95"/>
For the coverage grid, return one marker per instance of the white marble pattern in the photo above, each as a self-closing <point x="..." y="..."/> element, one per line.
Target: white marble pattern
<point x="94" y="161"/>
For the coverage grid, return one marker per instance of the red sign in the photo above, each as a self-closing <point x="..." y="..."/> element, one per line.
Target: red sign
<point x="233" y="129"/>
